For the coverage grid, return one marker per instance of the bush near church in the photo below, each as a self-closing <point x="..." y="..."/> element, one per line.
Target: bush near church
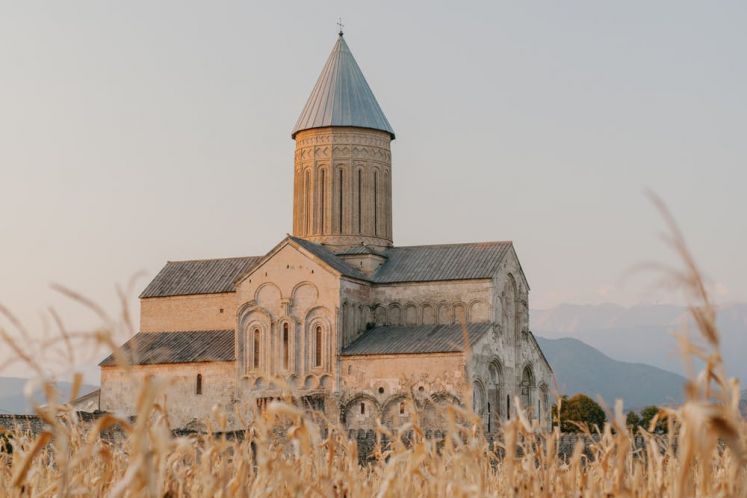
<point x="577" y="412"/>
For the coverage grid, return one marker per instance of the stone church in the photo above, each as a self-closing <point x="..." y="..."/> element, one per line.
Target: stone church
<point x="336" y="313"/>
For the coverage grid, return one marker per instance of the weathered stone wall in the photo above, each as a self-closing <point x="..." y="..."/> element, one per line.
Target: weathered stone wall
<point x="184" y="313"/>
<point x="392" y="387"/>
<point x="295" y="293"/>
<point x="432" y="302"/>
<point x="120" y="388"/>
<point x="344" y="213"/>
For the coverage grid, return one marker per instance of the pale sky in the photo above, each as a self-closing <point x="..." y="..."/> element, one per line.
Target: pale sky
<point x="132" y="133"/>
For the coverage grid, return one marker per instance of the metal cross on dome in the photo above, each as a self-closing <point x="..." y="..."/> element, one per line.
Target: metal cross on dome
<point x="340" y="25"/>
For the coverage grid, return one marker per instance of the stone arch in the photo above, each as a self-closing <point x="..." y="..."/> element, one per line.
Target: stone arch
<point x="379" y="315"/>
<point x="445" y="314"/>
<point x="361" y="412"/>
<point x="268" y="295"/>
<point x="254" y="341"/>
<point x="479" y="397"/>
<point x="391" y="415"/>
<point x="459" y="312"/>
<point x="527" y="387"/>
<point x="318" y="338"/>
<point x="478" y="312"/>
<point x="428" y="314"/>
<point x="510" y="307"/>
<point x="434" y="412"/>
<point x="411" y="315"/>
<point x="495" y="391"/>
<point x="304" y="296"/>
<point x="325" y="381"/>
<point x="310" y="382"/>
<point x="394" y="314"/>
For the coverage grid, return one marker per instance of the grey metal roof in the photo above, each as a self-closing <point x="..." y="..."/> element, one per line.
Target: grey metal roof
<point x="416" y="339"/>
<point x="150" y="348"/>
<point x="342" y="97"/>
<point x="206" y="276"/>
<point x="402" y="264"/>
<point x="358" y="250"/>
<point x="442" y="262"/>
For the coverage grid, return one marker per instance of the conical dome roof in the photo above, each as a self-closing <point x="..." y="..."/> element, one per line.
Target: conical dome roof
<point x="342" y="97"/>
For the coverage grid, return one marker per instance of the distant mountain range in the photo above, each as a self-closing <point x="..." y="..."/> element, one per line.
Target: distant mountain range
<point x="643" y="334"/>
<point x="580" y="368"/>
<point x="14" y="402"/>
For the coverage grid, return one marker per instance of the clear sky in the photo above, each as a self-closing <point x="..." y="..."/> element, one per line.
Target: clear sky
<point x="132" y="133"/>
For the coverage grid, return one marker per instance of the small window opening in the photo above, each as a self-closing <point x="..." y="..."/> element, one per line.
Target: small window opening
<point x="318" y="348"/>
<point x="256" y="348"/>
<point x="360" y="201"/>
<point x="402" y="408"/>
<point x="381" y="390"/>
<point x="363" y="408"/>
<point x="286" y="352"/>
<point x="508" y="406"/>
<point x="221" y="310"/>
<point x="198" y="385"/>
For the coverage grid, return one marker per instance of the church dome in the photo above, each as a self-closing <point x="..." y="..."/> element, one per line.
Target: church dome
<point x="342" y="97"/>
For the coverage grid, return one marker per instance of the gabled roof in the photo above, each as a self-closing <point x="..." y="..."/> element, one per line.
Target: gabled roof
<point x="150" y="348"/>
<point x="342" y="97"/>
<point x="416" y="339"/>
<point x="402" y="264"/>
<point x="442" y="262"/>
<point x="205" y="276"/>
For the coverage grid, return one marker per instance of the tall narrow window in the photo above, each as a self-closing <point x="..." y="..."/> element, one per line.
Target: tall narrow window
<point x="340" y="192"/>
<point x="318" y="348"/>
<point x="307" y="205"/>
<point x="360" y="201"/>
<point x="321" y="200"/>
<point x="376" y="203"/>
<point x="489" y="417"/>
<point x="401" y="407"/>
<point x="198" y="385"/>
<point x="363" y="408"/>
<point x="286" y="346"/>
<point x="508" y="406"/>
<point x="256" y="351"/>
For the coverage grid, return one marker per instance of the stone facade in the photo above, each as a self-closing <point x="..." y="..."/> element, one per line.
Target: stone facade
<point x="342" y="187"/>
<point x="336" y="314"/>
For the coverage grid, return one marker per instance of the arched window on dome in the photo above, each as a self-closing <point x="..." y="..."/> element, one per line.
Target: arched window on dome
<point x="376" y="202"/>
<point x="360" y="201"/>
<point x="340" y="198"/>
<point x="307" y="204"/>
<point x="322" y="186"/>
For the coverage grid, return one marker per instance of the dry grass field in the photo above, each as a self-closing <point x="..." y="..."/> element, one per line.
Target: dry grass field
<point x="285" y="454"/>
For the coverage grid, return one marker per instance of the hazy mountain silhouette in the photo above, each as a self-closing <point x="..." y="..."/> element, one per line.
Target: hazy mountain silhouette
<point x="14" y="402"/>
<point x="579" y="367"/>
<point x="643" y="333"/>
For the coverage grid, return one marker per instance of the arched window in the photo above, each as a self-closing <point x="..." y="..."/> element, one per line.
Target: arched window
<point x="376" y="202"/>
<point x="321" y="199"/>
<point x="401" y="407"/>
<point x="286" y="346"/>
<point x="307" y="204"/>
<point x="340" y="205"/>
<point x="363" y="408"/>
<point x="256" y="351"/>
<point x="318" y="347"/>
<point x="360" y="201"/>
<point x="198" y="385"/>
<point x="508" y="406"/>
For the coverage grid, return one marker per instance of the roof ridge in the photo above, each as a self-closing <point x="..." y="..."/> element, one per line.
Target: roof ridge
<point x="452" y="244"/>
<point x="209" y="259"/>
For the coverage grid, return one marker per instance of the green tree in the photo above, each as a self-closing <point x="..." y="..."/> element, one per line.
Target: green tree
<point x="580" y="410"/>
<point x="647" y="416"/>
<point x="632" y="420"/>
